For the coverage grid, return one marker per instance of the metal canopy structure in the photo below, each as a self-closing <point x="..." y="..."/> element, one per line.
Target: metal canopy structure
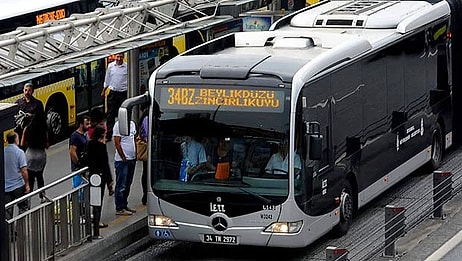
<point x="57" y="45"/>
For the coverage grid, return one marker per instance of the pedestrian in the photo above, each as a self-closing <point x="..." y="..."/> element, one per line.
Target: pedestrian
<point x="16" y="178"/>
<point x="97" y="119"/>
<point x="116" y="81"/>
<point x="28" y="107"/>
<point x="143" y="135"/>
<point x="35" y="140"/>
<point x="124" y="163"/>
<point x="98" y="163"/>
<point x="78" y="148"/>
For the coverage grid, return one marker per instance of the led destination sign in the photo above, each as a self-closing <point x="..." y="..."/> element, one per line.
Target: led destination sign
<point x="57" y="14"/>
<point x="227" y="99"/>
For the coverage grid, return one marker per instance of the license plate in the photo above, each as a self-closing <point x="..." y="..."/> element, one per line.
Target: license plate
<point x="220" y="239"/>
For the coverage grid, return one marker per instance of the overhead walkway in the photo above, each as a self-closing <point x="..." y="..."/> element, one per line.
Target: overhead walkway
<point x="58" y="45"/>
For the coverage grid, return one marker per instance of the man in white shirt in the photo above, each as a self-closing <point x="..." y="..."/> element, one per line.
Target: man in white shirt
<point x="117" y="81"/>
<point x="124" y="163"/>
<point x="279" y="162"/>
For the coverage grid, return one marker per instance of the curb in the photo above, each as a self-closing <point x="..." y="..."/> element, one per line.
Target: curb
<point x="123" y="236"/>
<point x="431" y="234"/>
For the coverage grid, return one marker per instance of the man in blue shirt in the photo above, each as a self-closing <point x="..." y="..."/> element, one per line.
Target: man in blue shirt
<point x="194" y="152"/>
<point x="78" y="143"/>
<point x="16" y="178"/>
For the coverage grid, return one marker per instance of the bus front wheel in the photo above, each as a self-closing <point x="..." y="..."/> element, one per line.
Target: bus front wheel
<point x="346" y="210"/>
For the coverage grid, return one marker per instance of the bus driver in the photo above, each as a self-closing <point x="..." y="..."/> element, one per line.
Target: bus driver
<point x="279" y="162"/>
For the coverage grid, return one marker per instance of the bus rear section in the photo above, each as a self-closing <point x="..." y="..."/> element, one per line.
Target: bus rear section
<point x="309" y="113"/>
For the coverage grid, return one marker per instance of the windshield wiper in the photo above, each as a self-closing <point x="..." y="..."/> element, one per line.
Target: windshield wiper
<point x="223" y="183"/>
<point x="192" y="192"/>
<point x="266" y="200"/>
<point x="182" y="193"/>
<point x="239" y="186"/>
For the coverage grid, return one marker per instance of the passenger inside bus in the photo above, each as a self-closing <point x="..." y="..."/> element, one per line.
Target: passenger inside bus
<point x="221" y="159"/>
<point x="194" y="153"/>
<point x="279" y="164"/>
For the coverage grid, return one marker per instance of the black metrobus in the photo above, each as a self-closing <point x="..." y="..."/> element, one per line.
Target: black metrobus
<point x="360" y="91"/>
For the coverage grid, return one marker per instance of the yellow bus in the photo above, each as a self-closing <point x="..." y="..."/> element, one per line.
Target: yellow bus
<point x="64" y="94"/>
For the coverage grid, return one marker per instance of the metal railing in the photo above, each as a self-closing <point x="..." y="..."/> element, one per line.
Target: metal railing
<point x="407" y="212"/>
<point x="51" y="226"/>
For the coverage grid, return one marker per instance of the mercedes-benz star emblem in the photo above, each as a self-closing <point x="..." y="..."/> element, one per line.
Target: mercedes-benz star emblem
<point x="219" y="223"/>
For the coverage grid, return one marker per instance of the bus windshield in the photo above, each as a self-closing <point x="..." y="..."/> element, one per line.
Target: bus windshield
<point x="234" y="143"/>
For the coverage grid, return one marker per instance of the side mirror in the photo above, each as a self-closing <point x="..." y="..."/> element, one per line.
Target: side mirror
<point x="125" y="111"/>
<point x="314" y="138"/>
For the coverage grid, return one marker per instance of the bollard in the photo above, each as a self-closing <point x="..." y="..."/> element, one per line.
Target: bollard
<point x="336" y="254"/>
<point x="442" y="191"/>
<point x="394" y="228"/>
<point x="95" y="190"/>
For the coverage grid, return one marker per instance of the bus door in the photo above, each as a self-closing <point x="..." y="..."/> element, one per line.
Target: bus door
<point x="88" y="85"/>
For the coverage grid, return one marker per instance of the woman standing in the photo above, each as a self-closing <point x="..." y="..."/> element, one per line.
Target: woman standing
<point x="97" y="118"/>
<point x="35" y="140"/>
<point x="144" y="136"/>
<point x="98" y="163"/>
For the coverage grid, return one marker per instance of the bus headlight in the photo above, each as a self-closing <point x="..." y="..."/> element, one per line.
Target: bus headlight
<point x="284" y="227"/>
<point x="161" y="221"/>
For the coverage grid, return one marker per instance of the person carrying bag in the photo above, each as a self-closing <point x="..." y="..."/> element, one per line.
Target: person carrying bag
<point x="142" y="151"/>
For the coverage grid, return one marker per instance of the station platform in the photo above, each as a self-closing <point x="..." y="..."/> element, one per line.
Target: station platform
<point x="122" y="230"/>
<point x="434" y="239"/>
